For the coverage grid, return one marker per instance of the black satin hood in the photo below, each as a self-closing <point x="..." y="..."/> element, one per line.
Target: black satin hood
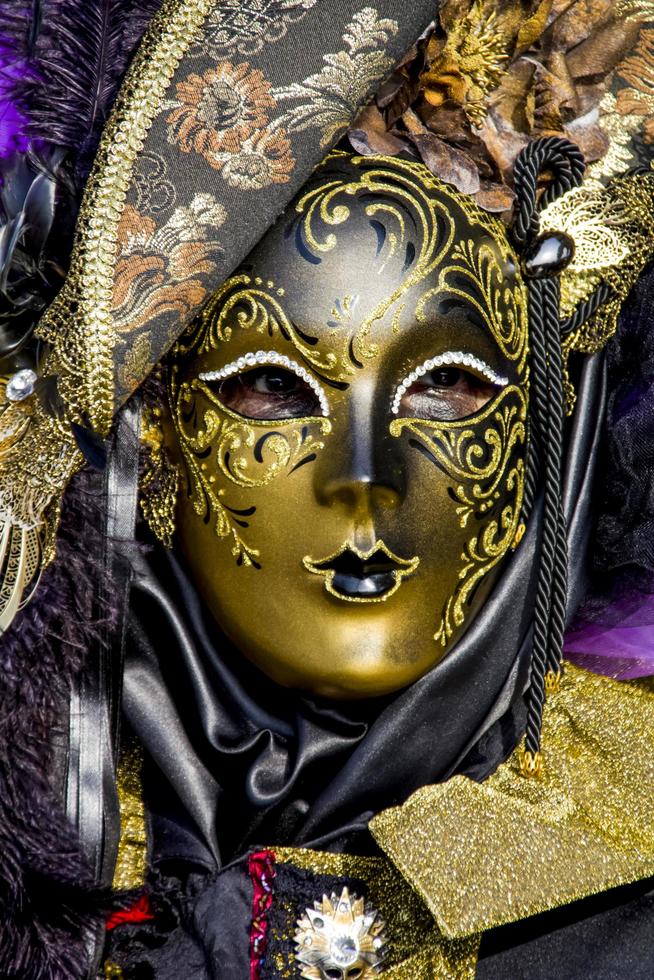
<point x="234" y="761"/>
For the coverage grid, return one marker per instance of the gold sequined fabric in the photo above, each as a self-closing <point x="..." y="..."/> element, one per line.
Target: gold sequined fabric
<point x="481" y="855"/>
<point x="417" y="948"/>
<point x="130" y="867"/>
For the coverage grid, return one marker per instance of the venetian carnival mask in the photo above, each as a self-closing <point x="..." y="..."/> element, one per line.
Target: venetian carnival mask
<point x="350" y="417"/>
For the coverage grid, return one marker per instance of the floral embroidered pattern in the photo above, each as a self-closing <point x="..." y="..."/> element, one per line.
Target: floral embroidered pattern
<point x="215" y="112"/>
<point x="153" y="191"/>
<point x="329" y="98"/>
<point x="224" y="116"/>
<point x="264" y="159"/>
<point x="246" y="25"/>
<point x="164" y="270"/>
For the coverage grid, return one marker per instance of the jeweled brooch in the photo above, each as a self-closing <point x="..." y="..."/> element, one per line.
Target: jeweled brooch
<point x="340" y="938"/>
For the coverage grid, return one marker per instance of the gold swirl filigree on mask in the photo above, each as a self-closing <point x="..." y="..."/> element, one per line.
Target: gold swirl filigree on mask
<point x="228" y="449"/>
<point x="249" y="303"/>
<point x="404" y="198"/>
<point x="484" y="458"/>
<point x="482" y="266"/>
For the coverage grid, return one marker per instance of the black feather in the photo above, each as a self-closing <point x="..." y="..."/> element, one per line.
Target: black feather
<point x="73" y="55"/>
<point x="78" y="59"/>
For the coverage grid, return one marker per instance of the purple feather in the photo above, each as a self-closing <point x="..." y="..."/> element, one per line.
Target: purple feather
<point x="12" y="121"/>
<point x="619" y="644"/>
<point x="77" y="52"/>
<point x="47" y="899"/>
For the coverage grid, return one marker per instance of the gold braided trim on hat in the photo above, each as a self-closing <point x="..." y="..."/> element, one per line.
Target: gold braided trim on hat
<point x="78" y="324"/>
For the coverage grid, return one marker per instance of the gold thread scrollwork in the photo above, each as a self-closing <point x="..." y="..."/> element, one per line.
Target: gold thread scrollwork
<point x="484" y="458"/>
<point x="612" y="230"/>
<point x="246" y="453"/>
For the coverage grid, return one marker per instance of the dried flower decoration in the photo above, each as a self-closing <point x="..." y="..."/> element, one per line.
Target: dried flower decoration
<point x="491" y="75"/>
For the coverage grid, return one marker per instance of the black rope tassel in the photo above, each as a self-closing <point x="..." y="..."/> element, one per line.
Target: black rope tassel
<point x="565" y="162"/>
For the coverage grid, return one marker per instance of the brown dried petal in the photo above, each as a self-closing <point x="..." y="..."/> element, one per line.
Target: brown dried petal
<point x="413" y="123"/>
<point x="445" y="161"/>
<point x="533" y="27"/>
<point x="600" y="53"/>
<point x="497" y="198"/>
<point x="556" y="97"/>
<point x="589" y="96"/>
<point x="451" y="124"/>
<point x="448" y="120"/>
<point x="578" y="21"/>
<point x="369" y="136"/>
<point x="513" y="100"/>
<point x="648" y="131"/>
<point x="390" y="88"/>
<point x="503" y="144"/>
<point x="589" y="137"/>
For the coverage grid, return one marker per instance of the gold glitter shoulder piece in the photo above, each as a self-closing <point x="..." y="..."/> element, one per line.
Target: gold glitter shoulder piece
<point x="482" y="855"/>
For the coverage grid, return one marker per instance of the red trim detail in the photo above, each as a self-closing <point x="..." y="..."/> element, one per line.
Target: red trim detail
<point x="140" y="911"/>
<point x="261" y="868"/>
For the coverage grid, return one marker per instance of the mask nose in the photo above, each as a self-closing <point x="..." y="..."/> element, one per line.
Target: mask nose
<point x="360" y="468"/>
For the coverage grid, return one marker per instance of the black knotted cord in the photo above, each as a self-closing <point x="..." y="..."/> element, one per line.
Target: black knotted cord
<point x="566" y="164"/>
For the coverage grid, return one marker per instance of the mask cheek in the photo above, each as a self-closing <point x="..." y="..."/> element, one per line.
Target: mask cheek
<point x="231" y="463"/>
<point x="480" y="466"/>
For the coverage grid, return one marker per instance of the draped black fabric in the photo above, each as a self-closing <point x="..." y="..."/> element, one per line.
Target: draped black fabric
<point x="233" y="761"/>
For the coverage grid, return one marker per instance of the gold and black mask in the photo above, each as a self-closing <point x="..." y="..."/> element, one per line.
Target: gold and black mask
<point x="350" y="411"/>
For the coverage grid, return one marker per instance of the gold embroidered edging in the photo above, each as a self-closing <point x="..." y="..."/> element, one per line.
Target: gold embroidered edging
<point x="79" y="323"/>
<point x="129" y="872"/>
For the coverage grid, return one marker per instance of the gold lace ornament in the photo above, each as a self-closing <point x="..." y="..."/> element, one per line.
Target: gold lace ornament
<point x="159" y="480"/>
<point x="613" y="234"/>
<point x="38" y="456"/>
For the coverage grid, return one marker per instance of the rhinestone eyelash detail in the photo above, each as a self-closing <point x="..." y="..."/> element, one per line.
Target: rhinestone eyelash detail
<point x="448" y="359"/>
<point x="249" y="361"/>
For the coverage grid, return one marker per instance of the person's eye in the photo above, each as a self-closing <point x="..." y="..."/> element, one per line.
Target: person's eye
<point x="447" y="388"/>
<point x="279" y="389"/>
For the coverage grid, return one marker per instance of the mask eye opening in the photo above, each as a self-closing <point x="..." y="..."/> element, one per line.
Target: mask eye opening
<point x="465" y="362"/>
<point x="250" y="362"/>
